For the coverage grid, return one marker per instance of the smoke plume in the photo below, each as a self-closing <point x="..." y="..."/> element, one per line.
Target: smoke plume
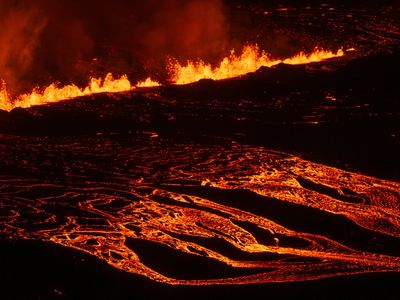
<point x="45" y="40"/>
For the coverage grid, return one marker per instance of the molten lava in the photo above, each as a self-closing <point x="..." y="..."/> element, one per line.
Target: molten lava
<point x="250" y="60"/>
<point x="257" y="215"/>
<point x="148" y="83"/>
<point x="54" y="93"/>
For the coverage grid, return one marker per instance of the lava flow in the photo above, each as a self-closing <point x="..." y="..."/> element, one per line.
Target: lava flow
<point x="251" y="59"/>
<point x="228" y="214"/>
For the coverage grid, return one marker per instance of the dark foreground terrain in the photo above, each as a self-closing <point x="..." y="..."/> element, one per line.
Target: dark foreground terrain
<point x="41" y="271"/>
<point x="283" y="183"/>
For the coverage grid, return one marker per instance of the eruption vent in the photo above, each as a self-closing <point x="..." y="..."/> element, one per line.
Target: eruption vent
<point x="250" y="60"/>
<point x="53" y="93"/>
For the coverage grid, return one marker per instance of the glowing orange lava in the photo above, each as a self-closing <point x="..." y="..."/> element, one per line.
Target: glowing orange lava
<point x="250" y="60"/>
<point x="148" y="83"/>
<point x="247" y="208"/>
<point x="54" y="93"/>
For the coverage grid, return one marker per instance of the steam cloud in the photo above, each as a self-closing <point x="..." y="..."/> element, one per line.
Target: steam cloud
<point x="44" y="40"/>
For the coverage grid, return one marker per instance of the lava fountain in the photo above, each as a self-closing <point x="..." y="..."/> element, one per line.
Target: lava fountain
<point x="250" y="60"/>
<point x="55" y="93"/>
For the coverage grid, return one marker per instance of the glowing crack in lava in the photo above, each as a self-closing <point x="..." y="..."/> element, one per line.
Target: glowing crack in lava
<point x="234" y="65"/>
<point x="250" y="215"/>
<point x="250" y="60"/>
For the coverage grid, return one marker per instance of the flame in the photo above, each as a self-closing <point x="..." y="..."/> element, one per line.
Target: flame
<point x="148" y="83"/>
<point x="250" y="60"/>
